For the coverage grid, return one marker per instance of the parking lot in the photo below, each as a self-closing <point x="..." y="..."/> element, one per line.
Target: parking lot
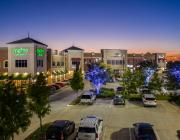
<point x="118" y="120"/>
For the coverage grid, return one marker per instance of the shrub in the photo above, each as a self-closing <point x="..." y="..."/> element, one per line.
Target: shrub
<point x="162" y="97"/>
<point x="175" y="99"/>
<point x="106" y="93"/>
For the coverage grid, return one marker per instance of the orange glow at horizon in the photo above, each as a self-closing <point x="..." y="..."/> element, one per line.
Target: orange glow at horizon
<point x="133" y="46"/>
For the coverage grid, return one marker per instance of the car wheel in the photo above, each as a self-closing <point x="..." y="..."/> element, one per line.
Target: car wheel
<point x="73" y="130"/>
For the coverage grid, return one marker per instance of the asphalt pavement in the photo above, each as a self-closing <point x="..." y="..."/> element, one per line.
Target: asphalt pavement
<point x="117" y="120"/>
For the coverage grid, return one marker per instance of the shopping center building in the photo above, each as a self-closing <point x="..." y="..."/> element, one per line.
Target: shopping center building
<point x="116" y="58"/>
<point x="27" y="57"/>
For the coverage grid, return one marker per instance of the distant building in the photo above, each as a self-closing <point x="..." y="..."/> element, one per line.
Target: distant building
<point x="3" y="59"/>
<point x="149" y="56"/>
<point x="134" y="59"/>
<point x="74" y="57"/>
<point x="27" y="56"/>
<point x="116" y="58"/>
<point x="55" y="65"/>
<point x="160" y="60"/>
<point x="91" y="58"/>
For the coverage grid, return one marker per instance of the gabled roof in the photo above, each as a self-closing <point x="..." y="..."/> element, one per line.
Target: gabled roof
<point x="73" y="48"/>
<point x="26" y="40"/>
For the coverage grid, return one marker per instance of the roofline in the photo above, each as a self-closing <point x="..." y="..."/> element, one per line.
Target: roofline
<point x="33" y="41"/>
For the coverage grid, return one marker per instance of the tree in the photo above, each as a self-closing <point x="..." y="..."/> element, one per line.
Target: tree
<point x="14" y="113"/>
<point x="103" y="65"/>
<point x="139" y="77"/>
<point x="39" y="97"/>
<point x="155" y="83"/>
<point x="77" y="80"/>
<point x="132" y="81"/>
<point x="98" y="76"/>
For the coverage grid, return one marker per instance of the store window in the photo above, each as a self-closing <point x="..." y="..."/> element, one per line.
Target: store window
<point x="20" y="63"/>
<point x="39" y="63"/>
<point x="62" y="63"/>
<point x="109" y="62"/>
<point x="53" y="63"/>
<point x="75" y="62"/>
<point x="58" y="64"/>
<point x="5" y="64"/>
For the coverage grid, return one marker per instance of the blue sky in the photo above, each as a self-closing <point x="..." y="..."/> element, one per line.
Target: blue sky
<point x="136" y="25"/>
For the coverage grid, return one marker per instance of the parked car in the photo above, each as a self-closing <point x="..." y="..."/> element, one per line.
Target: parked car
<point x="90" y="128"/>
<point x="60" y="130"/>
<point x="144" y="89"/>
<point x="119" y="89"/>
<point x="164" y="90"/>
<point x="149" y="100"/>
<point x="60" y="84"/>
<point x="118" y="100"/>
<point x="145" y="131"/>
<point x="88" y="97"/>
<point x="177" y="91"/>
<point x="52" y="89"/>
<point x="56" y="86"/>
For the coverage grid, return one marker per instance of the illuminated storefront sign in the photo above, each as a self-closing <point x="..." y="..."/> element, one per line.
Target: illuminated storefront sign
<point x="40" y="52"/>
<point x="21" y="51"/>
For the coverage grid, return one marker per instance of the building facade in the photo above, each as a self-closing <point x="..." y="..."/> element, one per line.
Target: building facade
<point x="160" y="60"/>
<point x="91" y="58"/>
<point x="74" y="57"/>
<point x="30" y="56"/>
<point x="27" y="56"/>
<point x="116" y="58"/>
<point x="55" y="65"/>
<point x="134" y="59"/>
<point x="3" y="59"/>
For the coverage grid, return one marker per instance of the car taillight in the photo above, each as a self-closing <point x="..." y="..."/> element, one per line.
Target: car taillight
<point x="96" y="135"/>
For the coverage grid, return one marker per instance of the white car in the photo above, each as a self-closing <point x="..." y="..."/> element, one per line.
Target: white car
<point x="90" y="128"/>
<point x="164" y="91"/>
<point x="88" y="97"/>
<point x="149" y="100"/>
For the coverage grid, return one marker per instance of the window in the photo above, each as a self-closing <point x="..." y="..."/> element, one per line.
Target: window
<point x="20" y="63"/>
<point x="39" y="63"/>
<point x="53" y="63"/>
<point x="108" y="61"/>
<point x="75" y="62"/>
<point x="117" y="62"/>
<point x="113" y="62"/>
<point x="58" y="64"/>
<point x="5" y="64"/>
<point x="62" y="63"/>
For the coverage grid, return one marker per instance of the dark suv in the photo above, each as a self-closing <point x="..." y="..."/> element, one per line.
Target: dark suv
<point x="60" y="130"/>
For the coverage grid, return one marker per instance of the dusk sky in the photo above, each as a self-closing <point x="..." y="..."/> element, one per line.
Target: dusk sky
<point x="135" y="25"/>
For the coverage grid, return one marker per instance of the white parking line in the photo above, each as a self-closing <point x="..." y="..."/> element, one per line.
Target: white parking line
<point x="110" y="106"/>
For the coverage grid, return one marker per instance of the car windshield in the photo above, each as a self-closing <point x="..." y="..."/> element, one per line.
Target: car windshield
<point x="150" y="99"/>
<point x="146" y="131"/>
<point x="87" y="130"/>
<point x="86" y="97"/>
